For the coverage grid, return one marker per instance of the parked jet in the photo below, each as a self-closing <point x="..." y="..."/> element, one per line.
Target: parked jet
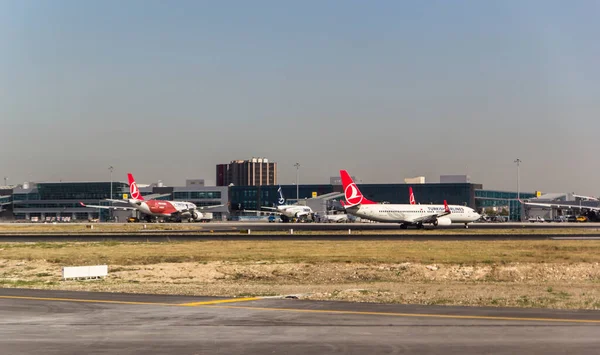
<point x="287" y="212"/>
<point x="171" y="210"/>
<point x="405" y="214"/>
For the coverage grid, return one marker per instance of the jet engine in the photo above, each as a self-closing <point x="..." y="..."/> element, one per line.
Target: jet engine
<point x="442" y="221"/>
<point x="196" y="216"/>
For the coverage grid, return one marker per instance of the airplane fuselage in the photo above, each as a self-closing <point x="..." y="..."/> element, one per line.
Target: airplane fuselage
<point x="408" y="213"/>
<point x="293" y="211"/>
<point x="162" y="208"/>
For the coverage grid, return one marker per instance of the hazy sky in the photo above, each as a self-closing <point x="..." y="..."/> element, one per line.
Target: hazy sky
<point x="385" y="89"/>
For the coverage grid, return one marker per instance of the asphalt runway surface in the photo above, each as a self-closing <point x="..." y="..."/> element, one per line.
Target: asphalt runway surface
<point x="164" y="238"/>
<point x="321" y="231"/>
<point x="265" y="226"/>
<point x="64" y="322"/>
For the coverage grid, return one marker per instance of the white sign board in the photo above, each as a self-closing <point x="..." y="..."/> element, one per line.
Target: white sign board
<point x="76" y="272"/>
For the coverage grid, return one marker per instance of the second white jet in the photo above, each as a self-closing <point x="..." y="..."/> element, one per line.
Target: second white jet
<point x="405" y="214"/>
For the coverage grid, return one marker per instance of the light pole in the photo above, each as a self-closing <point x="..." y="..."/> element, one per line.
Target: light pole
<point x="111" y="190"/>
<point x="297" y="165"/>
<point x="6" y="181"/>
<point x="518" y="161"/>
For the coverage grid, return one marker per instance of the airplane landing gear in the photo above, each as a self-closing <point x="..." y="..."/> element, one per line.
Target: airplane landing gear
<point x="420" y="226"/>
<point x="403" y="226"/>
<point x="466" y="226"/>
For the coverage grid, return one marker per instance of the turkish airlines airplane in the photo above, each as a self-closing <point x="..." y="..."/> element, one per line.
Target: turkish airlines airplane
<point x="405" y="214"/>
<point x="287" y="212"/>
<point x="454" y="217"/>
<point x="172" y="210"/>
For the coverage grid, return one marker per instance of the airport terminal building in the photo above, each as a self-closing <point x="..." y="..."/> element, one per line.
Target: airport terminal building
<point x="59" y="201"/>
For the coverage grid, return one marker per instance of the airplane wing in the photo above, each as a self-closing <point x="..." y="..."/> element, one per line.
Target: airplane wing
<point x="108" y="207"/>
<point x="267" y="212"/>
<point x="207" y="207"/>
<point x="559" y="205"/>
<point x="189" y="210"/>
<point x="430" y="218"/>
<point x="119" y="201"/>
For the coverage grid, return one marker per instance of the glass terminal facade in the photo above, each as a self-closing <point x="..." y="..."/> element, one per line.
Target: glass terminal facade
<point x="501" y="199"/>
<point x="254" y="197"/>
<point x="60" y="201"/>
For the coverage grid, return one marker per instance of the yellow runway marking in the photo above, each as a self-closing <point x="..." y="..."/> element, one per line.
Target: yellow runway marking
<point x="85" y="301"/>
<point x="448" y="316"/>
<point x="217" y="304"/>
<point x="229" y="300"/>
<point x="191" y="304"/>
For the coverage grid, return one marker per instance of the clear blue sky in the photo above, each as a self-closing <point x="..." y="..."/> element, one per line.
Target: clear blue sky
<point x="385" y="89"/>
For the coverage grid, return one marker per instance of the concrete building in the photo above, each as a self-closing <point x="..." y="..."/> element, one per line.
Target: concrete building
<point x="562" y="204"/>
<point x="253" y="172"/>
<point x="455" y="179"/>
<point x="415" y="180"/>
<point x="194" y="182"/>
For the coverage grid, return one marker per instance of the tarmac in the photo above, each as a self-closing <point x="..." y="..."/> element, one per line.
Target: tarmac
<point x="320" y="231"/>
<point x="67" y="322"/>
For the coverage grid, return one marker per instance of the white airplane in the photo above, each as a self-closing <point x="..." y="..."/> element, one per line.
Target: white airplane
<point x="171" y="210"/>
<point x="454" y="217"/>
<point x="405" y="214"/>
<point x="287" y="212"/>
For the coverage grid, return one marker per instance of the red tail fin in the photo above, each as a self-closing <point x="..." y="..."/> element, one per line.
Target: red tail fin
<point x="352" y="194"/>
<point x="134" y="191"/>
<point x="412" y="196"/>
<point x="446" y="208"/>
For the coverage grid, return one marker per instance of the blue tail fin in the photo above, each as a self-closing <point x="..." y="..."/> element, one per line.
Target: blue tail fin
<point x="281" y="200"/>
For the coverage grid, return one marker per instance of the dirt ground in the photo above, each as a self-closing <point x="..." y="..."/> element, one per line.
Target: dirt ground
<point x="568" y="285"/>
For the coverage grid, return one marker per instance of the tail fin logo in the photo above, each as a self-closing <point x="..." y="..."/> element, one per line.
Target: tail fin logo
<point x="412" y="196"/>
<point x="134" y="191"/>
<point x="353" y="195"/>
<point x="281" y="200"/>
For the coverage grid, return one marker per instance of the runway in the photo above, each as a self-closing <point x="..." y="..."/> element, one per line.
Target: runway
<point x="319" y="231"/>
<point x="63" y="322"/>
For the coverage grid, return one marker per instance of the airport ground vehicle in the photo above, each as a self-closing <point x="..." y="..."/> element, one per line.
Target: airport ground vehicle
<point x="536" y="219"/>
<point x="582" y="219"/>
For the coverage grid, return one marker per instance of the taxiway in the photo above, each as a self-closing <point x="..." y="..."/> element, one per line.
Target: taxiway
<point x="63" y="322"/>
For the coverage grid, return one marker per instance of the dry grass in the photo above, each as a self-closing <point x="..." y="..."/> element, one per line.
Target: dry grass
<point x="377" y="251"/>
<point x="554" y="274"/>
<point x="98" y="227"/>
<point x="236" y="229"/>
